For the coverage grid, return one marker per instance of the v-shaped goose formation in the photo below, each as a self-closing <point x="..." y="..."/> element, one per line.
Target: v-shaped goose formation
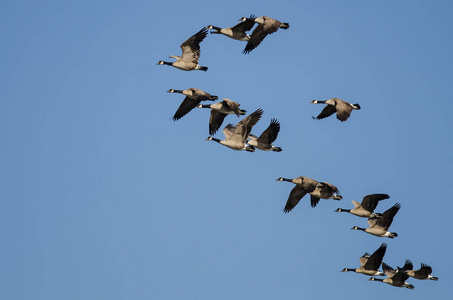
<point x="239" y="137"/>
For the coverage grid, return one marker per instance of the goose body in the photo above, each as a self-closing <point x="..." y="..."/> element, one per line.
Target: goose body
<point x="369" y="264"/>
<point x="379" y="225"/>
<point x="305" y="185"/>
<point x="423" y="273"/>
<point x="190" y="53"/>
<point x="394" y="278"/>
<point x="237" y="32"/>
<point x="266" y="26"/>
<point x="236" y="138"/>
<point x="193" y="98"/>
<point x="264" y="142"/>
<point x="336" y="105"/>
<point x="219" y="111"/>
<point x="367" y="207"/>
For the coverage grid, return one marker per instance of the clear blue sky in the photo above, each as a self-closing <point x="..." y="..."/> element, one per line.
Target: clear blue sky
<point x="103" y="196"/>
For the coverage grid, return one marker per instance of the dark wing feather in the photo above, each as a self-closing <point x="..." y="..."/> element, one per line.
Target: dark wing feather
<point x="408" y="265"/>
<point x="375" y="260"/>
<point x="246" y="25"/>
<point x="186" y="106"/>
<point x="256" y="38"/>
<point x="400" y="276"/>
<point x="314" y="200"/>
<point x="191" y="47"/>
<point x="270" y="134"/>
<point x="424" y="271"/>
<point x="215" y="121"/>
<point x="297" y="193"/>
<point x="370" y="202"/>
<point x="326" y="112"/>
<point x="244" y="127"/>
<point x="387" y="217"/>
<point x="389" y="271"/>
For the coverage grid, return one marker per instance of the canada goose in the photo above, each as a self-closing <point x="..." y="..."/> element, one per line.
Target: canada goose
<point x="219" y="111"/>
<point x="394" y="278"/>
<point x="367" y="207"/>
<point x="369" y="264"/>
<point x="379" y="225"/>
<point x="236" y="139"/>
<point x="193" y="98"/>
<point x="306" y="185"/>
<point x="190" y="53"/>
<point x="265" y="26"/>
<point x="423" y="273"/>
<point x="237" y="32"/>
<point x="264" y="142"/>
<point x="341" y="107"/>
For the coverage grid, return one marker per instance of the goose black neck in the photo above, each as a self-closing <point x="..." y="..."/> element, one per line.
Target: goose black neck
<point x="216" y="140"/>
<point x="205" y="105"/>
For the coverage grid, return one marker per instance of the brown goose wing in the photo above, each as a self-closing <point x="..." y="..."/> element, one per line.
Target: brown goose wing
<point x="186" y="106"/>
<point x="270" y="134"/>
<point x="256" y="38"/>
<point x="191" y="47"/>
<point x="297" y="193"/>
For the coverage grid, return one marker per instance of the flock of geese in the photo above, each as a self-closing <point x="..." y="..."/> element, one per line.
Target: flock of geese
<point x="239" y="137"/>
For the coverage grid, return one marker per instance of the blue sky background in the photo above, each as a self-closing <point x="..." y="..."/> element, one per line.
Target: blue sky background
<point x="103" y="196"/>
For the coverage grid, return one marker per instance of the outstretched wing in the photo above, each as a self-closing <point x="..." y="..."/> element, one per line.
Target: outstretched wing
<point x="186" y="106"/>
<point x="375" y="260"/>
<point x="326" y="112"/>
<point x="387" y="217"/>
<point x="244" y="127"/>
<point x="270" y="134"/>
<point x="343" y="109"/>
<point x="370" y="202"/>
<point x="191" y="47"/>
<point x="297" y="193"/>
<point x="215" y="121"/>
<point x="246" y="25"/>
<point x="256" y="38"/>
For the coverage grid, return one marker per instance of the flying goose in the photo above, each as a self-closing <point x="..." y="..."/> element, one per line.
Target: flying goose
<point x="379" y="225"/>
<point x="367" y="207"/>
<point x="394" y="278"/>
<point x="235" y="139"/>
<point x="193" y="98"/>
<point x="341" y="107"/>
<point x="369" y="264"/>
<point x="237" y="32"/>
<point x="265" y="26"/>
<point x="306" y="185"/>
<point x="423" y="273"/>
<point x="190" y="53"/>
<point x="219" y="111"/>
<point x="264" y="142"/>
